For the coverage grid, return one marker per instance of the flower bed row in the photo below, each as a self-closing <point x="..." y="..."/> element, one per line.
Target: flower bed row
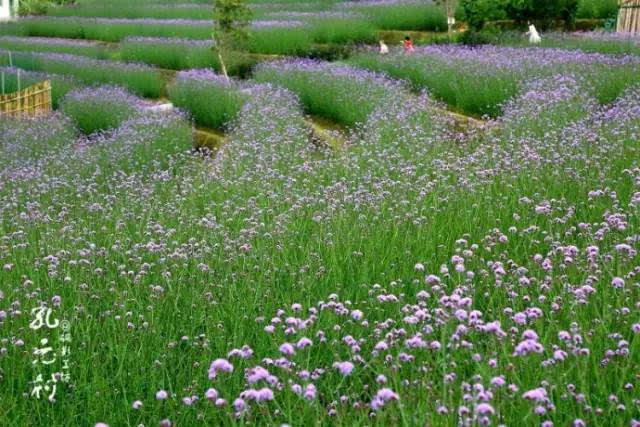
<point x="480" y="80"/>
<point x="267" y="36"/>
<point x="140" y="79"/>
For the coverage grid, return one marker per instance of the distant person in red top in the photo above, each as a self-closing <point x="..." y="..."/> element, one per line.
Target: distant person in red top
<point x="408" y="44"/>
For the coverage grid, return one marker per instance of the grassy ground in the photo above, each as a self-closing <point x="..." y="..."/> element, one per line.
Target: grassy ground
<point x="199" y="281"/>
<point x="418" y="275"/>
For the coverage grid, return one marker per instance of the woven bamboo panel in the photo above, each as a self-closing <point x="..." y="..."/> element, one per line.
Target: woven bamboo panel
<point x="629" y="16"/>
<point x="32" y="101"/>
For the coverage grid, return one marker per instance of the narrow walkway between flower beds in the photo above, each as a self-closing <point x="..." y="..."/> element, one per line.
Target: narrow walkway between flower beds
<point x="326" y="132"/>
<point x="463" y="123"/>
<point x="322" y="132"/>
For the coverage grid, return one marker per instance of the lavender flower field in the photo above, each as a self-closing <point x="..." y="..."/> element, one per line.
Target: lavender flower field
<point x="480" y="80"/>
<point x="460" y="250"/>
<point x="588" y="41"/>
<point x="139" y="78"/>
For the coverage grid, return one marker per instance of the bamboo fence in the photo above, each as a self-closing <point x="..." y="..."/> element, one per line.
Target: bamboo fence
<point x="629" y="16"/>
<point x="31" y="101"/>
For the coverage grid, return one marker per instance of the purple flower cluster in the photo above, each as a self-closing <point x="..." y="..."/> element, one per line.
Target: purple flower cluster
<point x="168" y="41"/>
<point x="331" y="70"/>
<point x="406" y="278"/>
<point x="106" y="94"/>
<point x="547" y="95"/>
<point x="612" y="36"/>
<point x="515" y="58"/>
<point x="53" y="41"/>
<point x="289" y="15"/>
<point x="281" y="23"/>
<point x="376" y="3"/>
<point x="75" y="60"/>
<point x="122" y="21"/>
<point x="205" y="76"/>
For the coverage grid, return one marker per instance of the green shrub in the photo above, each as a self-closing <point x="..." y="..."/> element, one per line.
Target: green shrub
<point x="477" y="12"/>
<point x="542" y="10"/>
<point x="280" y="41"/>
<point x="597" y="9"/>
<point x="99" y="109"/>
<point x="476" y="92"/>
<point x="183" y="54"/>
<point x="52" y="45"/>
<point x="405" y="16"/>
<point x="133" y="11"/>
<point x="343" y="94"/>
<point x="172" y="54"/>
<point x="342" y="31"/>
<point x="475" y="38"/>
<point x="33" y="7"/>
<point x="210" y="99"/>
<point x="105" y="29"/>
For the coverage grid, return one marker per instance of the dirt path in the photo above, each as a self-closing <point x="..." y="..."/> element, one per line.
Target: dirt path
<point x="324" y="132"/>
<point x="462" y="123"/>
<point x="211" y="139"/>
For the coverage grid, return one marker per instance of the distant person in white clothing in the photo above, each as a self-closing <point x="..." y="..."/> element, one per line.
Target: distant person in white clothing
<point x="384" y="49"/>
<point x="534" y="37"/>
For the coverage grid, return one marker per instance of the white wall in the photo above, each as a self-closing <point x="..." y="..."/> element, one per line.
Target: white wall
<point x="4" y="9"/>
<point x="7" y="12"/>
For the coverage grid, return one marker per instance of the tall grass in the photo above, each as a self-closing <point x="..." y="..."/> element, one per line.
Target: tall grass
<point x="595" y="42"/>
<point x="343" y="94"/>
<point x="474" y="91"/>
<point x="266" y="37"/>
<point x="110" y="30"/>
<point x="299" y="37"/>
<point x="173" y="54"/>
<point x="139" y="79"/>
<point x="134" y="11"/>
<point x="53" y="45"/>
<point x="344" y="30"/>
<point x="100" y="108"/>
<point x="597" y="9"/>
<point x="479" y="81"/>
<point x="32" y="139"/>
<point x="280" y="41"/>
<point x="183" y="54"/>
<point x="264" y="9"/>
<point x="180" y="10"/>
<point x="408" y="16"/>
<point x="487" y="281"/>
<point x="209" y="99"/>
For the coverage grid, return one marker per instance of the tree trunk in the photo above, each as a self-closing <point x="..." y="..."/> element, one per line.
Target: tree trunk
<point x="223" y="66"/>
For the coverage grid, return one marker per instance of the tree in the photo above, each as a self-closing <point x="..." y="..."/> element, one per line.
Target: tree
<point x="542" y="10"/>
<point x="449" y="7"/>
<point x="36" y="7"/>
<point x="231" y="21"/>
<point x="477" y="12"/>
